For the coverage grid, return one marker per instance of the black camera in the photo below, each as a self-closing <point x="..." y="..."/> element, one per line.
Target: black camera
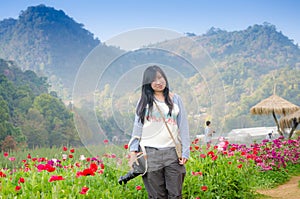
<point x="137" y="169"/>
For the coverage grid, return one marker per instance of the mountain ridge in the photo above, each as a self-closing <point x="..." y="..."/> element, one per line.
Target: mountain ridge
<point x="249" y="61"/>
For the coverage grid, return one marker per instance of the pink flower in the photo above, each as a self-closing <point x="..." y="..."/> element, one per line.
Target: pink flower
<point x="12" y="159"/>
<point x="113" y="155"/>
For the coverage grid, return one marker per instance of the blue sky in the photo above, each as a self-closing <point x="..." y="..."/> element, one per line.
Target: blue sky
<point x="108" y="18"/>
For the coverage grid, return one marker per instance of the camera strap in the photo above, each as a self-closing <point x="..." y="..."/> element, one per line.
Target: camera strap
<point x="160" y="112"/>
<point x="141" y="153"/>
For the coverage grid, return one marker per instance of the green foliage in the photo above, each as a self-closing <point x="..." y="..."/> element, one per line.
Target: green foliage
<point x="210" y="174"/>
<point x="271" y="179"/>
<point x="30" y="115"/>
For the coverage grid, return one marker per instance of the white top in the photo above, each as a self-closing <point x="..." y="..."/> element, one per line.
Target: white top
<point x="155" y="133"/>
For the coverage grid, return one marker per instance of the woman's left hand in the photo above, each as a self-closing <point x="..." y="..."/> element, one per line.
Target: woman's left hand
<point x="182" y="161"/>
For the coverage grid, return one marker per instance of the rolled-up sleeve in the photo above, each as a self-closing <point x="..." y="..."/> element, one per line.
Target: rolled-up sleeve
<point x="136" y="134"/>
<point x="183" y="126"/>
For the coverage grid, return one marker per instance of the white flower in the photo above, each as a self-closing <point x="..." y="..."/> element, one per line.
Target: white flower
<point x="64" y="156"/>
<point x="81" y="157"/>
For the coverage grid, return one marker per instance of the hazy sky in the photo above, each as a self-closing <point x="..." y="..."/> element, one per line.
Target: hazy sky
<point x="108" y="18"/>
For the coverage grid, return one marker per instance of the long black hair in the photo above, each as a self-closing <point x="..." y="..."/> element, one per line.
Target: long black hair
<point x="147" y="96"/>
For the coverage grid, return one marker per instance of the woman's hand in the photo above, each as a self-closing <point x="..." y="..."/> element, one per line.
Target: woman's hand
<point x="132" y="159"/>
<point x="183" y="161"/>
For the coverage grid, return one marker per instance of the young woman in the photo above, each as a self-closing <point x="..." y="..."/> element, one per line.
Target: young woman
<point x="165" y="171"/>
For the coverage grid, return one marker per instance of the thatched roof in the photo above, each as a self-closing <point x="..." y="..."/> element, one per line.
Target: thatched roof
<point x="287" y="121"/>
<point x="275" y="104"/>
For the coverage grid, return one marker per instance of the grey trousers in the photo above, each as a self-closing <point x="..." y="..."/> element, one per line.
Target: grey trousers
<point x="165" y="176"/>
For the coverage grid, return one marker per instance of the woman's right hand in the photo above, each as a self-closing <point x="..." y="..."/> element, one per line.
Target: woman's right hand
<point x="132" y="159"/>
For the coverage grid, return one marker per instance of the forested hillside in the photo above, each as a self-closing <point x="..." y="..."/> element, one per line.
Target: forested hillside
<point x="245" y="66"/>
<point x="47" y="41"/>
<point x="253" y="64"/>
<point x="29" y="114"/>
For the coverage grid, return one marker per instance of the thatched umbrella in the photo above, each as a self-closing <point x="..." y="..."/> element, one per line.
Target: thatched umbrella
<point x="274" y="105"/>
<point x="290" y="121"/>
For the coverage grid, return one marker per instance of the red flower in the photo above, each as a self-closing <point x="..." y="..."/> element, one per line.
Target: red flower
<point x="55" y="178"/>
<point x="72" y="150"/>
<point x="29" y="156"/>
<point x="65" y="148"/>
<point x="50" y="169"/>
<point x="240" y="166"/>
<point x="101" y="171"/>
<point x="17" y="188"/>
<point x="232" y="149"/>
<point x="93" y="167"/>
<point x="105" y="141"/>
<point x="198" y="173"/>
<point x="204" y="188"/>
<point x="5" y="154"/>
<point x="196" y="147"/>
<point x="84" y="190"/>
<point x="77" y="164"/>
<point x="202" y="155"/>
<point x="21" y="180"/>
<point x="102" y="166"/>
<point x="126" y="146"/>
<point x="191" y="148"/>
<point x="211" y="153"/>
<point x="214" y="158"/>
<point x="196" y="141"/>
<point x="2" y="175"/>
<point x="229" y="162"/>
<point x="70" y="156"/>
<point x="87" y="172"/>
<point x="138" y="187"/>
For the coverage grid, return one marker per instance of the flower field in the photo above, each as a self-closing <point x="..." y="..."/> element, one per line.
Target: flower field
<point x="226" y="170"/>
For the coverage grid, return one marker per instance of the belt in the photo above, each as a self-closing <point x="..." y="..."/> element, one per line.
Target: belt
<point x="160" y="149"/>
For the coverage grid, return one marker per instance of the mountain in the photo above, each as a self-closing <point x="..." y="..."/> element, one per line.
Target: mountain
<point x="247" y="65"/>
<point x="48" y="42"/>
<point x="235" y="70"/>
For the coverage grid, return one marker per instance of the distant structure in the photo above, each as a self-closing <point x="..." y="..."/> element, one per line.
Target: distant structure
<point x="250" y="135"/>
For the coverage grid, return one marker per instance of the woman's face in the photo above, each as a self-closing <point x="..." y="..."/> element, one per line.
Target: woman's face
<point x="159" y="83"/>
